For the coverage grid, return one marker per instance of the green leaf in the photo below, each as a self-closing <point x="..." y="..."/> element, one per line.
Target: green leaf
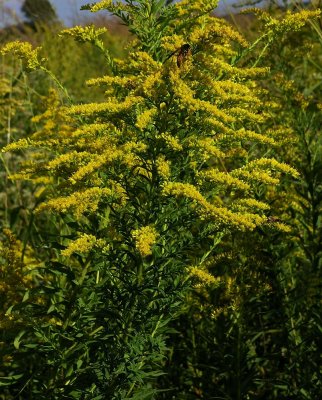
<point x="16" y="342"/>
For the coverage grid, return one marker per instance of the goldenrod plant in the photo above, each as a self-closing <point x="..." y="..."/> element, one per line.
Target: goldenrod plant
<point x="144" y="191"/>
<point x="247" y="334"/>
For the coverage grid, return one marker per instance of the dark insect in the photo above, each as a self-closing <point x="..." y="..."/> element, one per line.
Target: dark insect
<point x="184" y="53"/>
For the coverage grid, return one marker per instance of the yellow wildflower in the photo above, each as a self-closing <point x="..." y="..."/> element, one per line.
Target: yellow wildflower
<point x="171" y="141"/>
<point x="83" y="244"/>
<point x="84" y="33"/>
<point x="110" y="106"/>
<point x="145" y="238"/>
<point x="224" y="178"/>
<point x="144" y="119"/>
<point x="163" y="167"/>
<point x="204" y="276"/>
<point x="250" y="204"/>
<point x="84" y="201"/>
<point x="25" y="52"/>
<point x="151" y="83"/>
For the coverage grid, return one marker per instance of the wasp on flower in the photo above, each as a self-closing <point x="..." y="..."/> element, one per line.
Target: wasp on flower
<point x="183" y="53"/>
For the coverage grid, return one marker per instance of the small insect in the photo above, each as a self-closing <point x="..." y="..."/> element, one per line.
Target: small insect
<point x="182" y="52"/>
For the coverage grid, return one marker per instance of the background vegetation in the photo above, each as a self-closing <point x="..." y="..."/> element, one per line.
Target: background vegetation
<point x="161" y="221"/>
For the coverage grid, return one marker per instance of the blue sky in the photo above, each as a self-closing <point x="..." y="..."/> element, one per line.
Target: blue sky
<point x="67" y="10"/>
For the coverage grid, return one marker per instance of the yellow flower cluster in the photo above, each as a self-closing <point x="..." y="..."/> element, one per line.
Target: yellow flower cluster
<point x="145" y="118"/>
<point x="84" y="201"/>
<point x="220" y="215"/>
<point x="260" y="170"/>
<point x="91" y="130"/>
<point x="84" y="33"/>
<point x="183" y="189"/>
<point x="291" y="22"/>
<point x="163" y="167"/>
<point x="173" y="42"/>
<point x="246" y="134"/>
<point x="207" y="148"/>
<point x="242" y="114"/>
<point x="210" y="29"/>
<point x="203" y="276"/>
<point x="108" y="5"/>
<point x="274" y="165"/>
<point x="106" y="107"/>
<point x="188" y="100"/>
<point x="171" y="141"/>
<point x="151" y="84"/>
<point x="67" y="158"/>
<point x="218" y="66"/>
<point x="145" y="238"/>
<point x="143" y="63"/>
<point x="129" y="154"/>
<point x="254" y="175"/>
<point x="224" y="178"/>
<point x="83" y="244"/>
<point x="95" y="162"/>
<point x="252" y="204"/>
<point x="190" y="8"/>
<point x="25" y="52"/>
<point x="18" y="145"/>
<point x="109" y="80"/>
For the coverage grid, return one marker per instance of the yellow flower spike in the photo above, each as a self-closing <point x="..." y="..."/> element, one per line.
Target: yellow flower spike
<point x="110" y="107"/>
<point x="163" y="167"/>
<point x="143" y="62"/>
<point x="258" y="176"/>
<point x="151" y="83"/>
<point x="93" y="165"/>
<point x="204" y="276"/>
<point x="211" y="29"/>
<point x="146" y="118"/>
<point x="109" y="5"/>
<point x="171" y="141"/>
<point x="245" y="134"/>
<point x="207" y="211"/>
<point x="145" y="238"/>
<point x="86" y="201"/>
<point x="273" y="164"/>
<point x="110" y="80"/>
<point x="242" y="114"/>
<point x="84" y="33"/>
<point x="19" y="145"/>
<point x="183" y="189"/>
<point x="25" y="52"/>
<point x="83" y="244"/>
<point x="67" y="158"/>
<point x="207" y="147"/>
<point x="252" y="204"/>
<point x="224" y="178"/>
<point x="173" y="42"/>
<point x="190" y="8"/>
<point x="92" y="130"/>
<point x="188" y="100"/>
